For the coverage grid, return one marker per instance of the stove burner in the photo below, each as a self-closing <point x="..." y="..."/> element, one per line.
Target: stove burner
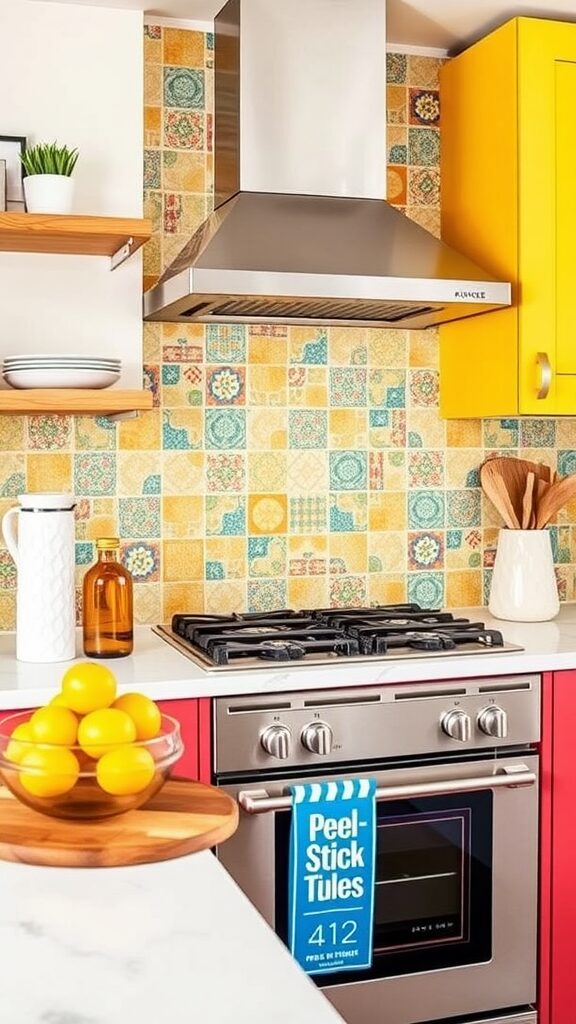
<point x="324" y="633"/>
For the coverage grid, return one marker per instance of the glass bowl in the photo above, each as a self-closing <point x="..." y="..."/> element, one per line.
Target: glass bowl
<point x="84" y="798"/>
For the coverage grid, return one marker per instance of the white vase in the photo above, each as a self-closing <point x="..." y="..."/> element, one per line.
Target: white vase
<point x="524" y="585"/>
<point x="48" y="193"/>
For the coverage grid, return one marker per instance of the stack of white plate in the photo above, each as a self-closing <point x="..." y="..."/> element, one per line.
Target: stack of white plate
<point x="60" y="371"/>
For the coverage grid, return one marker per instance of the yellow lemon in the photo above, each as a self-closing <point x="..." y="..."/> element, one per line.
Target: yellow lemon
<point x="144" y="713"/>
<point x="59" y="700"/>
<point x="88" y="687"/>
<point x="103" y="731"/>
<point x="54" y="724"/>
<point x="15" y="750"/>
<point x="48" y="771"/>
<point x="125" y="771"/>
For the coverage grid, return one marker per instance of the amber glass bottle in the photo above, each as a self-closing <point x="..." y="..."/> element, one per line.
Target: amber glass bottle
<point x="107" y="605"/>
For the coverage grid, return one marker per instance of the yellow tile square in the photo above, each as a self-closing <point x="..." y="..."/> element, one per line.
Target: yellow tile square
<point x="387" y="552"/>
<point x="462" y="465"/>
<point x="12" y="433"/>
<point x="184" y="172"/>
<point x="428" y="426"/>
<point x="182" y="560"/>
<point x="152" y="126"/>
<point x="387" y="348"/>
<point x="7" y="611"/>
<point x="424" y="348"/>
<point x="223" y="597"/>
<point x="464" y="433"/>
<point x="387" y="588"/>
<point x="348" y="346"/>
<point x="147" y="603"/>
<point x="267" y="470"/>
<point x="267" y="428"/>
<point x="348" y="553"/>
<point x="183" y="48"/>
<point x="152" y="85"/>
<point x="388" y="511"/>
<point x="304" y="592"/>
<point x="181" y="597"/>
<point x="152" y="50"/>
<point x="183" y="516"/>
<point x="183" y="473"/>
<point x="267" y="385"/>
<point x="308" y="555"/>
<point x="152" y="343"/>
<point x="267" y="513"/>
<point x="49" y="472"/>
<point x="266" y="350"/>
<point x="231" y="553"/>
<point x="142" y="432"/>
<point x="464" y="589"/>
<point x="136" y="470"/>
<point x="101" y="526"/>
<point x="348" y="428"/>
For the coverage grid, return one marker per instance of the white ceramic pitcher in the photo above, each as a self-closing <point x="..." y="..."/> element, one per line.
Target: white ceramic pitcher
<point x="524" y="585"/>
<point x="43" y="549"/>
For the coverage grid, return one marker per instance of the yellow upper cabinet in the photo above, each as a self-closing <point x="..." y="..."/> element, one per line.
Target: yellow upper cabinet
<point x="508" y="173"/>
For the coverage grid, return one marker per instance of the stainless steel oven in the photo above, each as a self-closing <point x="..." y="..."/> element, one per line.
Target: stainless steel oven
<point x="456" y="768"/>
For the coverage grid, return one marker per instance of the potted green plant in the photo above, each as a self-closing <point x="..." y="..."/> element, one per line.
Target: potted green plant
<point x="48" y="184"/>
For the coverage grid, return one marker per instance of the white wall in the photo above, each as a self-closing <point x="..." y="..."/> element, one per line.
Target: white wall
<point x="75" y="74"/>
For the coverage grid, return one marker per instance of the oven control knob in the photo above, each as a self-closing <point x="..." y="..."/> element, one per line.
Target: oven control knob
<point x="457" y="725"/>
<point x="276" y="741"/>
<point x="317" y="738"/>
<point x="494" y="722"/>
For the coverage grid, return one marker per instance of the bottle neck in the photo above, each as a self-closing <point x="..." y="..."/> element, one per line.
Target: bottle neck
<point x="107" y="554"/>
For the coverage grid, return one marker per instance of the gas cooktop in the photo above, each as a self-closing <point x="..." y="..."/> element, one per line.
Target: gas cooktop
<point x="256" y="640"/>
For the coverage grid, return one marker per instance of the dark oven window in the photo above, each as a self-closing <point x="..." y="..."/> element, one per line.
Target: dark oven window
<point x="433" y="899"/>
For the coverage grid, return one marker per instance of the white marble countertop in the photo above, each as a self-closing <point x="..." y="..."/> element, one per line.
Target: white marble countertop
<point x="160" y="671"/>
<point x="173" y="942"/>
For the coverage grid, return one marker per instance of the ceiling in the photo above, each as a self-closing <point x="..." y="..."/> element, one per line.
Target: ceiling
<point x="443" y="24"/>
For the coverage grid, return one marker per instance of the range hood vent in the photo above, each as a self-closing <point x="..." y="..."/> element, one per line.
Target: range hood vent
<point x="301" y="233"/>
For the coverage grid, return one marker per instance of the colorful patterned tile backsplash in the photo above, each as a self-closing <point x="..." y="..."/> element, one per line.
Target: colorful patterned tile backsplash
<point x="281" y="466"/>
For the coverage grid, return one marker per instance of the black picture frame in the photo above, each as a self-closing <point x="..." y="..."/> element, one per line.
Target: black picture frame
<point x="11" y="149"/>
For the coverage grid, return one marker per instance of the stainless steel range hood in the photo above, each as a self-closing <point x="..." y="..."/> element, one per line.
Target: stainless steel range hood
<point x="301" y="233"/>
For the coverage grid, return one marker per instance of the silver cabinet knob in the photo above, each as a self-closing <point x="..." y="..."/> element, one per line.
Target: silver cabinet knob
<point x="457" y="725"/>
<point x="317" y="738"/>
<point x="494" y="722"/>
<point x="276" y="740"/>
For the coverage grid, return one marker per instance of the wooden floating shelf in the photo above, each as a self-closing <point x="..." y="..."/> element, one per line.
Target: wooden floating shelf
<point x="71" y="235"/>
<point x="74" y="401"/>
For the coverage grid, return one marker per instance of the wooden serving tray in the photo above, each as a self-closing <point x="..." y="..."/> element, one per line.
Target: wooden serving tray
<point x="182" y="818"/>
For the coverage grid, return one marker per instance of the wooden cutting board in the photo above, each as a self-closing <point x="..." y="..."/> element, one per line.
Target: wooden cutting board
<point x="182" y="818"/>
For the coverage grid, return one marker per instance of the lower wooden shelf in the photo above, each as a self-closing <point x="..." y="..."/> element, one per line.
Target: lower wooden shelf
<point x="74" y="401"/>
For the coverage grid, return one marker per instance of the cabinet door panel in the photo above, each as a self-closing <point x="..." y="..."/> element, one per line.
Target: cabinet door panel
<point x="565" y="218"/>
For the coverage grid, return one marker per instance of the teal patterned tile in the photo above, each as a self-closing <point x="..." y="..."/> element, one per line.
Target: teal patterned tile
<point x="423" y="186"/>
<point x="501" y="433"/>
<point x="348" y="513"/>
<point x="184" y="88"/>
<point x="308" y="514"/>
<point x="426" y="510"/>
<point x="307" y="428"/>
<point x="267" y="556"/>
<point x="487" y="584"/>
<point x="426" y="550"/>
<point x="94" y="433"/>
<point x="464" y="507"/>
<point x="152" y="174"/>
<point x="139" y="517"/>
<point x="396" y="65"/>
<point x="348" y="386"/>
<point x="225" y="428"/>
<point x="566" y="463"/>
<point x="538" y="433"/>
<point x="181" y="429"/>
<point x="387" y="388"/>
<point x="46" y="433"/>
<point x="387" y="428"/>
<point x="225" y="515"/>
<point x="426" y="589"/>
<point x="226" y="344"/>
<point x="184" y="129"/>
<point x="348" y="471"/>
<point x="84" y="551"/>
<point x="266" y="595"/>
<point x="95" y="473"/>
<point x="312" y="350"/>
<point x="424" y="147"/>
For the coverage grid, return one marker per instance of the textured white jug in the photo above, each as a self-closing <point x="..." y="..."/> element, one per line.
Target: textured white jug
<point x="524" y="585"/>
<point x="44" y="556"/>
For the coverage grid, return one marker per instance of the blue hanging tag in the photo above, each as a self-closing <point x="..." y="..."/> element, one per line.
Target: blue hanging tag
<point x="331" y="875"/>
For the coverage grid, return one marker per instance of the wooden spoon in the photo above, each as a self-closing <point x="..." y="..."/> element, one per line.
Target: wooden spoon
<point x="527" y="510"/>
<point x="555" y="496"/>
<point x="505" y="488"/>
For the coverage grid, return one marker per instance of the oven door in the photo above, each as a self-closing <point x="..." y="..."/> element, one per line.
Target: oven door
<point x="455" y="906"/>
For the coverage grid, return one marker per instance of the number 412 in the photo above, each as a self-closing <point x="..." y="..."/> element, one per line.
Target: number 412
<point x="341" y="934"/>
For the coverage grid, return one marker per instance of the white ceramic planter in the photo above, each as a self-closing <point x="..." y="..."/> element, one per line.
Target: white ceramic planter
<point x="524" y="585"/>
<point x="48" y="193"/>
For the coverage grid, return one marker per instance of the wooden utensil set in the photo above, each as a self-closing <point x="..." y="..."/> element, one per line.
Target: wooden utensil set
<point x="526" y="494"/>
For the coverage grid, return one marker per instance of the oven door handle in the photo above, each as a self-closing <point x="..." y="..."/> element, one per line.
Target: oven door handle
<point x="258" y="801"/>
